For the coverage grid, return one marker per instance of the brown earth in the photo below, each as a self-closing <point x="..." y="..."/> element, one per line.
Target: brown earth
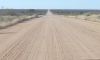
<point x="51" y="38"/>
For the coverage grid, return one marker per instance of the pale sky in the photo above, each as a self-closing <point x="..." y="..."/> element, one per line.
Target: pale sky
<point x="51" y="4"/>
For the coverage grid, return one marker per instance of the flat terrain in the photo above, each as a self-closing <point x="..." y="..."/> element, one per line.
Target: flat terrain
<point x="51" y="38"/>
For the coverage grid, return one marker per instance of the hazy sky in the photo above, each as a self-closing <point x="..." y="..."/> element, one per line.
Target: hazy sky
<point x="51" y="4"/>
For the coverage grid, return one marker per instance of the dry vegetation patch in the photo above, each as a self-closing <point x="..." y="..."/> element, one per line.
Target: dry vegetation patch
<point x="10" y="20"/>
<point x="9" y="17"/>
<point x="93" y="17"/>
<point x="90" y="17"/>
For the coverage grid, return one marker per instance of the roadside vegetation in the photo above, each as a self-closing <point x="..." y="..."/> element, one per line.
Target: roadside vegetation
<point x="91" y="15"/>
<point x="10" y="17"/>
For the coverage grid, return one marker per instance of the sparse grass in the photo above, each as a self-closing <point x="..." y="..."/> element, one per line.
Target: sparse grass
<point x="93" y="17"/>
<point x="10" y="20"/>
<point x="89" y="17"/>
<point x="10" y="17"/>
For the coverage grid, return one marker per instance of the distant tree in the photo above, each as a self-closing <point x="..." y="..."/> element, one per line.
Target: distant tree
<point x="81" y="12"/>
<point x="8" y="12"/>
<point x="30" y="10"/>
<point x="61" y="12"/>
<point x="68" y="12"/>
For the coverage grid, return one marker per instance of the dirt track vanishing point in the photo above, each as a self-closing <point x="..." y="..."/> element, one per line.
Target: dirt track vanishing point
<point x="51" y="38"/>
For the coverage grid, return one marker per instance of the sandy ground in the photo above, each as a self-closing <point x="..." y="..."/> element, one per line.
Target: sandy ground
<point x="51" y="38"/>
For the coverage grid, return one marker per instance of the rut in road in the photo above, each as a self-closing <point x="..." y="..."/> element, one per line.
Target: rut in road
<point x="51" y="37"/>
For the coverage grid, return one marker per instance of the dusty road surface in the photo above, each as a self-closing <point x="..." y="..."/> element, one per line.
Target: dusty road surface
<point x="51" y="38"/>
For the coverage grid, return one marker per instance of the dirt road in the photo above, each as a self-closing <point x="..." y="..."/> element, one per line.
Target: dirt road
<point x="51" y="38"/>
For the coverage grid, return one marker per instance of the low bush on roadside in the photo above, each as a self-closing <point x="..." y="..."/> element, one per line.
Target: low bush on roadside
<point x="87" y="16"/>
<point x="9" y="17"/>
<point x="92" y="17"/>
<point x="10" y="20"/>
